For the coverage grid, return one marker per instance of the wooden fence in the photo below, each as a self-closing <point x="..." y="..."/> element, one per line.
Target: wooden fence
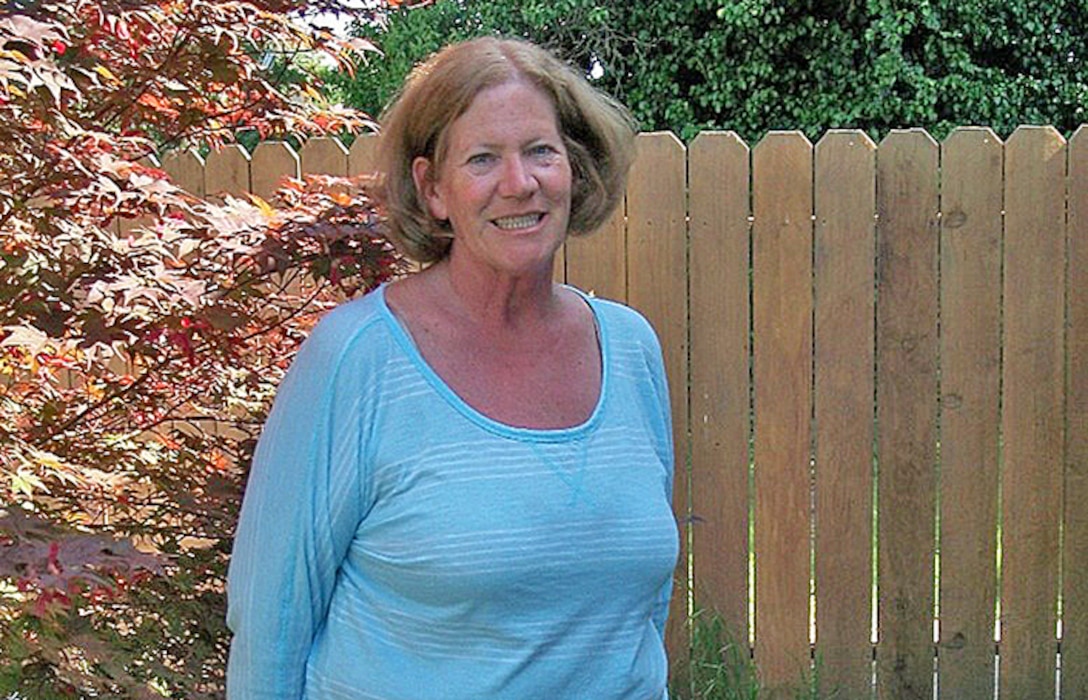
<point x="879" y="367"/>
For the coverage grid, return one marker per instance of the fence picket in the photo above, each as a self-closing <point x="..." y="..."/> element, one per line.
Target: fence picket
<point x="782" y="357"/>
<point x="227" y="172"/>
<point x="718" y="205"/>
<point x="1075" y="570"/>
<point x="1032" y="420"/>
<point x="971" y="203"/>
<point x="270" y="163"/>
<point x="362" y="156"/>
<point x="186" y="169"/>
<point x="657" y="264"/>
<point x="325" y="155"/>
<point x="906" y="411"/>
<point x="845" y="199"/>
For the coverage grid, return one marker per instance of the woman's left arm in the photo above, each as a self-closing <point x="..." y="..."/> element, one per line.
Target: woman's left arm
<point x="300" y="512"/>
<point x="663" y="439"/>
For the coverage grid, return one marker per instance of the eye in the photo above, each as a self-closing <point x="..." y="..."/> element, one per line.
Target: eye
<point x="545" y="153"/>
<point x="543" y="149"/>
<point x="480" y="160"/>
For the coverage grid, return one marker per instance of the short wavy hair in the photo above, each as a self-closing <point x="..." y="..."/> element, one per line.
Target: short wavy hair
<point x="598" y="132"/>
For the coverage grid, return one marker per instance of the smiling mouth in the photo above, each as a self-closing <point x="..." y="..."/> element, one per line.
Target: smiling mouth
<point x="514" y="223"/>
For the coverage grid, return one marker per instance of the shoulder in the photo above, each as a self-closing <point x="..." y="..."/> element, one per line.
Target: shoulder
<point x="624" y="322"/>
<point x="355" y="327"/>
<point x="341" y="327"/>
<point x="348" y="318"/>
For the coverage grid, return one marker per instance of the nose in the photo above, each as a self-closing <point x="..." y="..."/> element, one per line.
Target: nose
<point x="517" y="180"/>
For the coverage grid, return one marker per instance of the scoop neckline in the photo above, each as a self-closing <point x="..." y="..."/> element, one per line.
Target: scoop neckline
<point x="451" y="397"/>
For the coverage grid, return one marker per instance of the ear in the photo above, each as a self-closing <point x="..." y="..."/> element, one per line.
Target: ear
<point x="427" y="188"/>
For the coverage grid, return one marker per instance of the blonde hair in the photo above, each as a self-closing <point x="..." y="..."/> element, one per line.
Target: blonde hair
<point x="598" y="133"/>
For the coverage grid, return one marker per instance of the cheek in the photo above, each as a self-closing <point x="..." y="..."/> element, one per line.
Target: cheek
<point x="447" y="202"/>
<point x="459" y="197"/>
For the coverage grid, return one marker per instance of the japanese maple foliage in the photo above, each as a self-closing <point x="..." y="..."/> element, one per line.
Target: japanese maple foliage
<point x="144" y="329"/>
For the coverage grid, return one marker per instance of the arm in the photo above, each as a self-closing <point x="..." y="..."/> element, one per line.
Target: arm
<point x="301" y="508"/>
<point x="663" y="439"/>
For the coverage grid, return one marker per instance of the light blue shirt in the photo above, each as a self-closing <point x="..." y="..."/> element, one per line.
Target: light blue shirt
<point x="397" y="544"/>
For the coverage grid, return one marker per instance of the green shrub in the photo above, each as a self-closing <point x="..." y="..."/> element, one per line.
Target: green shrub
<point x="756" y="65"/>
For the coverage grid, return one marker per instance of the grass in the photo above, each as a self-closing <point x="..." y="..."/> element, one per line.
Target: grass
<point x="721" y="668"/>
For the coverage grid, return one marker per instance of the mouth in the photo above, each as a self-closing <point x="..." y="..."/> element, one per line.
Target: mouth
<point x="517" y="223"/>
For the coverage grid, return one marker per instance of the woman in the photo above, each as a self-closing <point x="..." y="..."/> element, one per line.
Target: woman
<point x="463" y="490"/>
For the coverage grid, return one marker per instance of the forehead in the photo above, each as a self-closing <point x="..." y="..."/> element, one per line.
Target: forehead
<point x="514" y="109"/>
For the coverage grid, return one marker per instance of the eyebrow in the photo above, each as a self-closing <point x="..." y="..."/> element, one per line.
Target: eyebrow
<point x="529" y="142"/>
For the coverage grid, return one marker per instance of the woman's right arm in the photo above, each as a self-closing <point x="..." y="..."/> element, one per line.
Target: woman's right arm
<point x="301" y="509"/>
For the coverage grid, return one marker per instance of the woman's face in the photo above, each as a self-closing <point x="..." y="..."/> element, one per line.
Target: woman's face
<point x="505" y="182"/>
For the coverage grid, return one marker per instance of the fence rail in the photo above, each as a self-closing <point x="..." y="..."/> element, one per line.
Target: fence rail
<point x="879" y="365"/>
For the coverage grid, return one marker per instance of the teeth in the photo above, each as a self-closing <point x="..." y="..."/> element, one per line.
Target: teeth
<point x="516" y="222"/>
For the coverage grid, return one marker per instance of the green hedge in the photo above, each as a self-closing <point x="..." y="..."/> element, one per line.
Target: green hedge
<point x="756" y="65"/>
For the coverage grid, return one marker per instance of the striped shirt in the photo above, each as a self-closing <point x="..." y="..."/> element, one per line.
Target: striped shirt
<point x="397" y="544"/>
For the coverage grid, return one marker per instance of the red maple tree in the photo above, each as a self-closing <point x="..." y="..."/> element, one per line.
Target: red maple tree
<point x="143" y="329"/>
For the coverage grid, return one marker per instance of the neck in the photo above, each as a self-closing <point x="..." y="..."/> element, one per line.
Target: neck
<point x="497" y="300"/>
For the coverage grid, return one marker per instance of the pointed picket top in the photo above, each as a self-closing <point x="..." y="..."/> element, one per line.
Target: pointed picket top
<point x="186" y="169"/>
<point x="782" y="183"/>
<point x="849" y="138"/>
<point x="362" y="156"/>
<point x="720" y="139"/>
<point x="898" y="137"/>
<point x="844" y="150"/>
<point x="782" y="171"/>
<point x="966" y="149"/>
<point x="659" y="167"/>
<point x="1045" y="133"/>
<point x="272" y="161"/>
<point x="783" y="139"/>
<point x="324" y="155"/>
<point x="722" y="158"/>
<point x="1033" y="154"/>
<point x="907" y="167"/>
<point x="1035" y="147"/>
<point x="656" y="147"/>
<point x="227" y="171"/>
<point x="903" y="151"/>
<point x="660" y="139"/>
<point x="1080" y="135"/>
<point x="981" y="134"/>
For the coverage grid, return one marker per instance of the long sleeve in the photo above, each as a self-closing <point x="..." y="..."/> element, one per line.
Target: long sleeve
<point x="302" y="506"/>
